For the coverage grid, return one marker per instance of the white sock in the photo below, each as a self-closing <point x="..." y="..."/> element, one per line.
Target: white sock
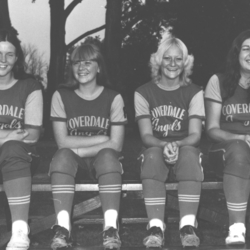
<point x="187" y="220"/>
<point x="156" y="223"/>
<point x="63" y="220"/>
<point x="239" y="227"/>
<point x="110" y="218"/>
<point x="20" y="225"/>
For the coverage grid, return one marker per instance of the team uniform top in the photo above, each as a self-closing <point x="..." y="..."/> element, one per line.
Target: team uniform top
<point x="88" y="117"/>
<point x="21" y="106"/>
<point x="235" y="112"/>
<point x="169" y="110"/>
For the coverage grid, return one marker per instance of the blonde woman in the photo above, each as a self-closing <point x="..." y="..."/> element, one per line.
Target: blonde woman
<point x="169" y="111"/>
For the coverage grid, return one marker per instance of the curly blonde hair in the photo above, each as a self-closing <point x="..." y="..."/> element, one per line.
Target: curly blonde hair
<point x="156" y="58"/>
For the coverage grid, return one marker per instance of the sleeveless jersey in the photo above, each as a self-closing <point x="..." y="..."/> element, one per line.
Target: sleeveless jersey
<point x="169" y="110"/>
<point x="88" y="117"/>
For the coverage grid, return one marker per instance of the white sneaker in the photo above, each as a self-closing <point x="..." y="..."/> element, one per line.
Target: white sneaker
<point x="236" y="234"/>
<point x="19" y="241"/>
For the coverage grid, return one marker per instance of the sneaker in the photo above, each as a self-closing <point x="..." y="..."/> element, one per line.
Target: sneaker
<point x="61" y="238"/>
<point x="236" y="234"/>
<point x="155" y="238"/>
<point x="19" y="241"/>
<point x="189" y="238"/>
<point x="111" y="238"/>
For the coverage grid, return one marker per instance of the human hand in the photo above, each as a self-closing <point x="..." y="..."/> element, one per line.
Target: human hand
<point x="17" y="135"/>
<point x="171" y="152"/>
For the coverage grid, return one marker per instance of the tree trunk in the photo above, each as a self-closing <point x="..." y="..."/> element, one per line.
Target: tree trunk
<point x="57" y="57"/>
<point x="113" y="41"/>
<point x="4" y="15"/>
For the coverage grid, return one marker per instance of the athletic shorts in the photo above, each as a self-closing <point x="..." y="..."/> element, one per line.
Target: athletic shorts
<point x="187" y="168"/>
<point x="230" y="157"/>
<point x="67" y="162"/>
<point x="18" y="160"/>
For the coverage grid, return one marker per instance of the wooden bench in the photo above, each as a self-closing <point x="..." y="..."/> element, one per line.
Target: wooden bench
<point x="131" y="187"/>
<point x="94" y="203"/>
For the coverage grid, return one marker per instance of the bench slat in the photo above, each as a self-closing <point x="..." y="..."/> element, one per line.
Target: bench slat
<point x="125" y="187"/>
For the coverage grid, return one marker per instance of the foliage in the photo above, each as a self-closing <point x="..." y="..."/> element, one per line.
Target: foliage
<point x="207" y="27"/>
<point x="35" y="64"/>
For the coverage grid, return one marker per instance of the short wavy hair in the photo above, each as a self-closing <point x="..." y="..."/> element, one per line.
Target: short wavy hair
<point x="232" y="70"/>
<point x="157" y="57"/>
<point x="87" y="52"/>
<point x="10" y="35"/>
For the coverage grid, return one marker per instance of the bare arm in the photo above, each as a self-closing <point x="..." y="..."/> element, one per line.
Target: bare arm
<point x="213" y="113"/>
<point x="115" y="142"/>
<point x="33" y="135"/>
<point x="194" y="133"/>
<point x="29" y="135"/>
<point x="146" y="132"/>
<point x="171" y="149"/>
<point x="64" y="140"/>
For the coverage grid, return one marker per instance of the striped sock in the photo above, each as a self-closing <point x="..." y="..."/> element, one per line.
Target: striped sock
<point x="237" y="207"/>
<point x="22" y="200"/>
<point x="110" y="197"/>
<point x="109" y="189"/>
<point x="188" y="204"/>
<point x="63" y="189"/>
<point x="188" y="198"/>
<point x="155" y="201"/>
<point x="63" y="197"/>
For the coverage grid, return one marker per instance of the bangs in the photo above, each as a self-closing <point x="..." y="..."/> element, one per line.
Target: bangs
<point x="84" y="53"/>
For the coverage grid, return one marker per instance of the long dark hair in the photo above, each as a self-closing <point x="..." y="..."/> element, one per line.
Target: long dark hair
<point x="232" y="70"/>
<point x="10" y="35"/>
<point x="86" y="52"/>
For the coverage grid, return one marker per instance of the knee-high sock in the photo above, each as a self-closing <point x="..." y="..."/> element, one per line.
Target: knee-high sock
<point x="63" y="190"/>
<point x="110" y="195"/>
<point x="155" y="199"/>
<point x="189" y="197"/>
<point x="18" y="194"/>
<point x="236" y="191"/>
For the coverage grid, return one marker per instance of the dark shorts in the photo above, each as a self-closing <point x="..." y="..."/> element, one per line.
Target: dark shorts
<point x="230" y="157"/>
<point x="17" y="160"/>
<point x="67" y="162"/>
<point x="187" y="168"/>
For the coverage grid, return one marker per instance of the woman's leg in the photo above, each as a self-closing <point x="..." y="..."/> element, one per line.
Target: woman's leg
<point x="15" y="162"/>
<point x="63" y="169"/>
<point x="154" y="174"/>
<point x="108" y="171"/>
<point x="236" y="191"/>
<point x="235" y="168"/>
<point x="190" y="175"/>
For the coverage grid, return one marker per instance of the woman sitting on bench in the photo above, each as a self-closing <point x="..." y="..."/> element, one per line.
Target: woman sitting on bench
<point x="169" y="111"/>
<point x="88" y="122"/>
<point x="228" y="125"/>
<point x="21" y="109"/>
